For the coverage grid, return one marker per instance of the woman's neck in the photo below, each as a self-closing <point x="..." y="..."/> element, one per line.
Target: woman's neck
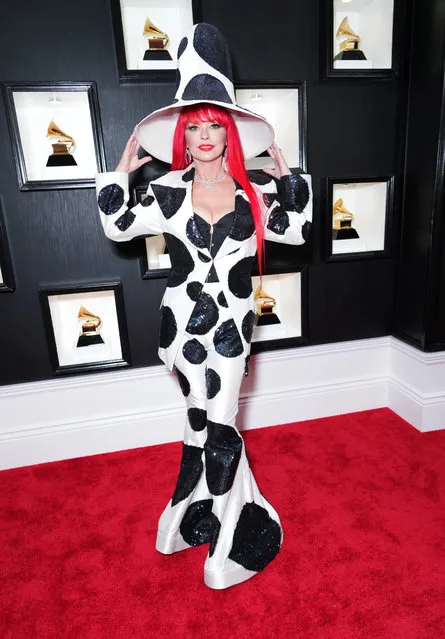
<point x="209" y="170"/>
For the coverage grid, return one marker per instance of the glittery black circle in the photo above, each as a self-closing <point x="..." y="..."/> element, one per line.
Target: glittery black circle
<point x="189" y="175"/>
<point x="206" y="87"/>
<point x="204" y="316"/>
<point x="302" y="192"/>
<point x="147" y="201"/>
<point x="182" y="46"/>
<point x="278" y="221"/>
<point x="247" y="325"/>
<point x="212" y="47"/>
<point x="203" y="257"/>
<point x="240" y="281"/>
<point x="259" y="177"/>
<point x="193" y="234"/>
<point x="110" y="199"/>
<point x="169" y="198"/>
<point x="257" y="538"/>
<point x="125" y="220"/>
<point x="183" y="382"/>
<point x="194" y="289"/>
<point x="243" y="225"/>
<point x="306" y="230"/>
<point x="194" y="352"/>
<point x="199" y="525"/>
<point x="197" y="418"/>
<point x="182" y="261"/>
<point x="221" y="299"/>
<point x="222" y="452"/>
<point x="189" y="472"/>
<point x="213" y="383"/>
<point x="227" y="340"/>
<point x="168" y="327"/>
<point x="269" y="199"/>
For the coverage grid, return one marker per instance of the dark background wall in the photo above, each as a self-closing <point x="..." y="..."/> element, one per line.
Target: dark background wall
<point x="355" y="129"/>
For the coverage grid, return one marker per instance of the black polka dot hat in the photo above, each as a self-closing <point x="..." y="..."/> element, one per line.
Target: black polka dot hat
<point x="204" y="75"/>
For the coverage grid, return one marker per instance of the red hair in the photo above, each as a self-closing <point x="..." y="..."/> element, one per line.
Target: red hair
<point x="234" y="157"/>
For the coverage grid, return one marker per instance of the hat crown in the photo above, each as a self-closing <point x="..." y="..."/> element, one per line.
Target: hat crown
<point x="204" y="67"/>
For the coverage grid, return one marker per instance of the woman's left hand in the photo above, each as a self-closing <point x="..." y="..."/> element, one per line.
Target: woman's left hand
<point x="281" y="167"/>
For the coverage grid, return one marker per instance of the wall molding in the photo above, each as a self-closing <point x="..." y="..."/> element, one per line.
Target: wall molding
<point x="117" y="410"/>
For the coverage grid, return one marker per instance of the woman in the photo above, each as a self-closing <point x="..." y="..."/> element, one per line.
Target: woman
<point x="214" y="217"/>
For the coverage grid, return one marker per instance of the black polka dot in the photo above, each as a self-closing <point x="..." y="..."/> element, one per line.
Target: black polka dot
<point x="306" y="230"/>
<point x="206" y="87"/>
<point x="203" y="257"/>
<point x="243" y="225"/>
<point x="257" y="538"/>
<point x="183" y="382"/>
<point x="213" y="383"/>
<point x="148" y="200"/>
<point x="169" y="198"/>
<point x="278" y="221"/>
<point x="197" y="418"/>
<point x="125" y="220"/>
<point x="182" y="46"/>
<point x="259" y="177"/>
<point x="240" y="281"/>
<point x="222" y="300"/>
<point x="222" y="452"/>
<point x="194" y="352"/>
<point x="189" y="175"/>
<point x="194" y="289"/>
<point x="182" y="261"/>
<point x="302" y="193"/>
<point x="111" y="199"/>
<point x="193" y="234"/>
<point x="269" y="199"/>
<point x="294" y="193"/>
<point x="210" y="45"/>
<point x="189" y="473"/>
<point x="247" y="325"/>
<point x="227" y="340"/>
<point x="204" y="316"/>
<point x="168" y="327"/>
<point x="199" y="525"/>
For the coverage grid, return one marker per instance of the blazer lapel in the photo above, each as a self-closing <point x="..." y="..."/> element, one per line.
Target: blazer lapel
<point x="242" y="226"/>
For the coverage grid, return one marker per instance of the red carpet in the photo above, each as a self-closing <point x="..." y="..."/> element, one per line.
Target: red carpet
<point x="361" y="498"/>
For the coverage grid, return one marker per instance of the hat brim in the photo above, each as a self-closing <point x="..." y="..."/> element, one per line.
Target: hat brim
<point x="155" y="132"/>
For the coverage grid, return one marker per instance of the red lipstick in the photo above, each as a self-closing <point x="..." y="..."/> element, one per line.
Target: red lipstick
<point x="206" y="147"/>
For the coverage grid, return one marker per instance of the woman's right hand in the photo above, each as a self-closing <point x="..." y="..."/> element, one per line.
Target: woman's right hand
<point x="129" y="161"/>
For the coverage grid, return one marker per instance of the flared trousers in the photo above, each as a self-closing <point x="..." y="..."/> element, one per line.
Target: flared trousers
<point x="216" y="499"/>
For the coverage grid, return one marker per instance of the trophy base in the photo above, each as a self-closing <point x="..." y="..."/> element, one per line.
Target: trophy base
<point x="267" y="320"/>
<point x="344" y="234"/>
<point x="350" y="54"/>
<point x="157" y="55"/>
<point x="89" y="340"/>
<point x="61" y="160"/>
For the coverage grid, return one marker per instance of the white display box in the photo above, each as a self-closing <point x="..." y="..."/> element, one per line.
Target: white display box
<point x="372" y="20"/>
<point x="173" y="17"/>
<point x="367" y="201"/>
<point x="280" y="107"/>
<point x="286" y="289"/>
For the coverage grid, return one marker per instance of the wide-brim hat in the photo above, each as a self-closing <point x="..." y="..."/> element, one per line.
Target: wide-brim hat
<point x="204" y="75"/>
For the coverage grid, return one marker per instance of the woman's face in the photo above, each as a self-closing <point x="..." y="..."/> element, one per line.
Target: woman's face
<point x="206" y="141"/>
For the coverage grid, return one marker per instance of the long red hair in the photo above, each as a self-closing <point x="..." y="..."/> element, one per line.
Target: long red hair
<point x="234" y="157"/>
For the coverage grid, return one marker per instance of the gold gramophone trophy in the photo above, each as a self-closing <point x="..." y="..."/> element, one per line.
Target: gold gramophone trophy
<point x="157" y="42"/>
<point x="265" y="305"/>
<point x="342" y="222"/>
<point x="90" y="324"/>
<point x="349" y="48"/>
<point x="61" y="155"/>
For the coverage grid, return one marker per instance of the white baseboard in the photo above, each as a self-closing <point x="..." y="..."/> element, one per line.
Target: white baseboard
<point x="118" y="410"/>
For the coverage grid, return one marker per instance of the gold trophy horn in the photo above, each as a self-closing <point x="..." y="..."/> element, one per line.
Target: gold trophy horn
<point x="65" y="143"/>
<point x="352" y="39"/>
<point x="342" y="217"/>
<point x="157" y="42"/>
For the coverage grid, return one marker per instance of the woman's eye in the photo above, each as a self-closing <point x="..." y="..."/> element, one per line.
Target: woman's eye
<point x="215" y="125"/>
<point x="192" y="127"/>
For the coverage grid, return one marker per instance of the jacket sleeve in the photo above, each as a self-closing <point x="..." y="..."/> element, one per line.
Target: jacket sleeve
<point x="289" y="210"/>
<point x="119" y="222"/>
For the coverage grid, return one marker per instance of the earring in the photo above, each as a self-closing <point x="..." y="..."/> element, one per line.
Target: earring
<point x="224" y="160"/>
<point x="188" y="156"/>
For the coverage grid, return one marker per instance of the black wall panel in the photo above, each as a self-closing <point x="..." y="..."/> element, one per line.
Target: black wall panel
<point x="355" y="128"/>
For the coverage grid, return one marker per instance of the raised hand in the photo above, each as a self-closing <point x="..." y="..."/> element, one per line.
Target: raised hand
<point x="129" y="161"/>
<point x="281" y="167"/>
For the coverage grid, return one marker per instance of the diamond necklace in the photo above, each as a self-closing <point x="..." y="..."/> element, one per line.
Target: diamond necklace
<point x="209" y="183"/>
